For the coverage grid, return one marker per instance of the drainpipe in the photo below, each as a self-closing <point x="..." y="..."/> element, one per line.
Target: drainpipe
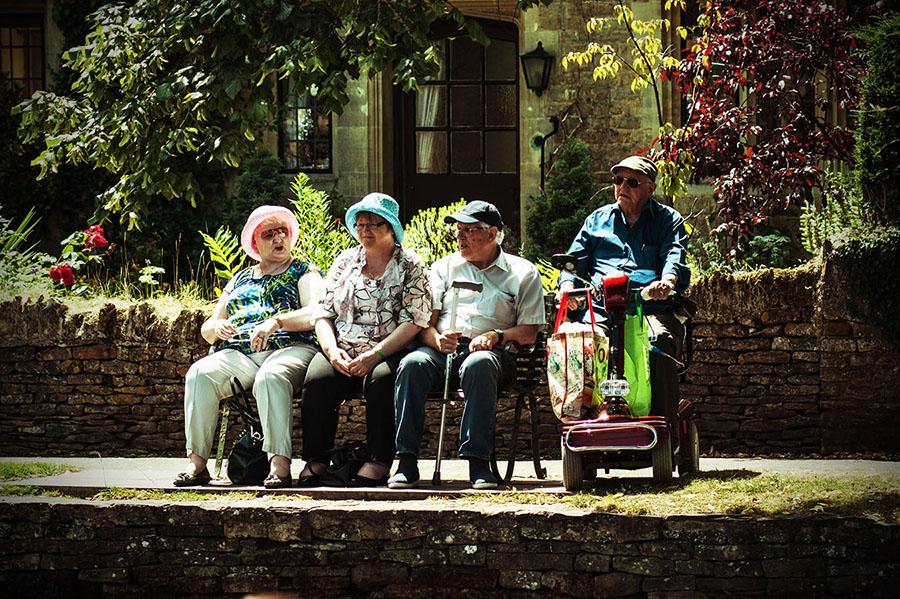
<point x="540" y="140"/>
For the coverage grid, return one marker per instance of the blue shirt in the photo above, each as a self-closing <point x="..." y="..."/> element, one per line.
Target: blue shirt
<point x="606" y="244"/>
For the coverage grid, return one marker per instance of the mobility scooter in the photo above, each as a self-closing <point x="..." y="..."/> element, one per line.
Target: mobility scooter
<point x="614" y="438"/>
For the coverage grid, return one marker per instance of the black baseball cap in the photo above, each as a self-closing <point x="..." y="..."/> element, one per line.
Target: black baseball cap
<point x="477" y="211"/>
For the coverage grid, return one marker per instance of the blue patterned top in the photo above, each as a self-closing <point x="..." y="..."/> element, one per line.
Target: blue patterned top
<point x="253" y="300"/>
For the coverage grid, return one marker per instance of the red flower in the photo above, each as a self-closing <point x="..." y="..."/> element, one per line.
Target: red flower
<point x="62" y="274"/>
<point x="68" y="277"/>
<point x="95" y="238"/>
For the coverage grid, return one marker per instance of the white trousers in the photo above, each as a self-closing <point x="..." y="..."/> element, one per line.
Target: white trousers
<point x="274" y="376"/>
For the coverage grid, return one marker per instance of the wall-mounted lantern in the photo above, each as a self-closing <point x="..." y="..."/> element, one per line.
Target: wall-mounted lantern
<point x="536" y="65"/>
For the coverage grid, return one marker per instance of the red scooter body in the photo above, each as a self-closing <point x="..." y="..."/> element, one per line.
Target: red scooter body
<point x="615" y="439"/>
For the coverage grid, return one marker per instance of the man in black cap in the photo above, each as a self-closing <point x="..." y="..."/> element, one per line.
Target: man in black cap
<point x="639" y="233"/>
<point x="510" y="307"/>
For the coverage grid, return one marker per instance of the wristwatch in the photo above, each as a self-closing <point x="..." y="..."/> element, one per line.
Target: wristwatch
<point x="499" y="335"/>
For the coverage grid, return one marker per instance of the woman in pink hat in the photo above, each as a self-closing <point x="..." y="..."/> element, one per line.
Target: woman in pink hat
<point x="263" y="326"/>
<point x="377" y="300"/>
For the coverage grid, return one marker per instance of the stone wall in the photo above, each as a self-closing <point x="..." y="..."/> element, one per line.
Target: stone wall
<point x="112" y="383"/>
<point x="78" y="548"/>
<point x="779" y="368"/>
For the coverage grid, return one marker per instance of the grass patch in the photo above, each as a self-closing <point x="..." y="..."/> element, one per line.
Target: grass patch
<point x="732" y="493"/>
<point x="118" y="493"/>
<point x="20" y="470"/>
<point x="26" y="491"/>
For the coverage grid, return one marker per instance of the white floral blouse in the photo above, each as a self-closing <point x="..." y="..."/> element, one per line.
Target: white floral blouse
<point x="364" y="310"/>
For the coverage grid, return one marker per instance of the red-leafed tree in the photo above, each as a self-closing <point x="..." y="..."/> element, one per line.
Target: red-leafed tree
<point x="761" y="83"/>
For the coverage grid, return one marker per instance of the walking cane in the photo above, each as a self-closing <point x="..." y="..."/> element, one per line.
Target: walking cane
<point x="456" y="286"/>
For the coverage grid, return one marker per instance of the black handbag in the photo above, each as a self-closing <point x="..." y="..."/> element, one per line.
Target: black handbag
<point x="248" y="464"/>
<point x="344" y="461"/>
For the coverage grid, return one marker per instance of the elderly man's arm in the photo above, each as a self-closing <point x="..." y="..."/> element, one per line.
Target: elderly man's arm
<point x="530" y="316"/>
<point x="445" y="342"/>
<point x="675" y="273"/>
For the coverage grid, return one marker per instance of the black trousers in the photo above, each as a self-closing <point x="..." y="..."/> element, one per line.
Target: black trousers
<point x="324" y="389"/>
<point x="663" y="371"/>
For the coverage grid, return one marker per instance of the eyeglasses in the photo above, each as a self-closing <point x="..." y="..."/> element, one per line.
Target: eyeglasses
<point x="270" y="234"/>
<point x="467" y="231"/>
<point x="369" y="226"/>
<point x="632" y="182"/>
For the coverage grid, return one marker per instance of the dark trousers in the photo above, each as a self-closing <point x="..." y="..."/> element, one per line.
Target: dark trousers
<point x="324" y="389"/>
<point x="663" y="371"/>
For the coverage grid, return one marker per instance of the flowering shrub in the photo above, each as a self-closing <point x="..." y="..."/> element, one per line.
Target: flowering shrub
<point x="80" y="250"/>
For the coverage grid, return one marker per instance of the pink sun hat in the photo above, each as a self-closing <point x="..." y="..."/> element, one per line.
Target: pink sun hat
<point x="258" y="217"/>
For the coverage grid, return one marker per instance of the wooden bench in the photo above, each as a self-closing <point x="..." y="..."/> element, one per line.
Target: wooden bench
<point x="530" y="363"/>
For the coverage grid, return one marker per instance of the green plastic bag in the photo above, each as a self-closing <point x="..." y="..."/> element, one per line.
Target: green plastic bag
<point x="637" y="366"/>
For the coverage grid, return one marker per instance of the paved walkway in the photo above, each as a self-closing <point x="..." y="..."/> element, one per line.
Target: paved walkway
<point x="96" y="474"/>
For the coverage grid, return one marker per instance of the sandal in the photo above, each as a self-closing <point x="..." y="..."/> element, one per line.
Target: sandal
<point x="273" y="481"/>
<point x="183" y="479"/>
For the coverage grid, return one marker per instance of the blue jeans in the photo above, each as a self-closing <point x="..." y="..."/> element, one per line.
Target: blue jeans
<point x="422" y="371"/>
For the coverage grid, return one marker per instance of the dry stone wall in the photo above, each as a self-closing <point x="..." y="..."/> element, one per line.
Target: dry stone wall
<point x="779" y="368"/>
<point x="66" y="548"/>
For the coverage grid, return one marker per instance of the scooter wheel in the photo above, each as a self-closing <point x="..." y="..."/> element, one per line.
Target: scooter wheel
<point x="661" y="455"/>
<point x="572" y="467"/>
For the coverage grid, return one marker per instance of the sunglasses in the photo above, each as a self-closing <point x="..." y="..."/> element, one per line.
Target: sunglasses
<point x="369" y="226"/>
<point x="270" y="234"/>
<point x="632" y="182"/>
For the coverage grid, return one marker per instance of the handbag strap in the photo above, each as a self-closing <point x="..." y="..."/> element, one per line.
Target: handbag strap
<point x="563" y="310"/>
<point x="239" y="402"/>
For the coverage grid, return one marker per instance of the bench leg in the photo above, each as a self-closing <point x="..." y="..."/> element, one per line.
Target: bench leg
<point x="539" y="471"/>
<point x="223" y="432"/>
<point x="514" y="438"/>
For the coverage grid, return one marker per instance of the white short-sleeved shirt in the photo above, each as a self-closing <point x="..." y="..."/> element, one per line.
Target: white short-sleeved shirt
<point x="512" y="294"/>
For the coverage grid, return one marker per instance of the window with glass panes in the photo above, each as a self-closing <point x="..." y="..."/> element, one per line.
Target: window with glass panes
<point x="22" y="51"/>
<point x="304" y="133"/>
<point x="465" y="119"/>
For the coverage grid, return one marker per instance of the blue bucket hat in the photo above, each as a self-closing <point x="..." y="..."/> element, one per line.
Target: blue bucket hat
<point x="377" y="203"/>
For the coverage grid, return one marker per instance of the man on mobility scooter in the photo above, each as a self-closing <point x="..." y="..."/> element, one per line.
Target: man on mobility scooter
<point x="638" y="233"/>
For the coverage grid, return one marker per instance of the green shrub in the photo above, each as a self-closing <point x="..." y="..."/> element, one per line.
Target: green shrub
<point x="322" y="237"/>
<point x="842" y="209"/>
<point x="21" y="267"/>
<point x="225" y="253"/>
<point x="555" y="216"/>
<point x="428" y="235"/>
<point x="767" y="249"/>
<point x="870" y="259"/>
<point x="878" y="120"/>
<point x="259" y="183"/>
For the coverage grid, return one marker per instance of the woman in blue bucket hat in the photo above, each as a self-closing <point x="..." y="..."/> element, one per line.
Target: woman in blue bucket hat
<point x="377" y="299"/>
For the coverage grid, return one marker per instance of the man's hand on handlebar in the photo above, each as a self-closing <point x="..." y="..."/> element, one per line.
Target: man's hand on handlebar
<point x="573" y="302"/>
<point x="660" y="290"/>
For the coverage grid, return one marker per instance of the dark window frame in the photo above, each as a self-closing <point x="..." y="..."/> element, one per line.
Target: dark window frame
<point x="315" y="140"/>
<point x="29" y="83"/>
<point x="449" y="82"/>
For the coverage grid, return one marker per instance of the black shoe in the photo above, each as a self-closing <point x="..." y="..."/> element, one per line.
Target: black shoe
<point x="480" y="475"/>
<point x="306" y="481"/>
<point x="364" y="481"/>
<point x="407" y="475"/>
